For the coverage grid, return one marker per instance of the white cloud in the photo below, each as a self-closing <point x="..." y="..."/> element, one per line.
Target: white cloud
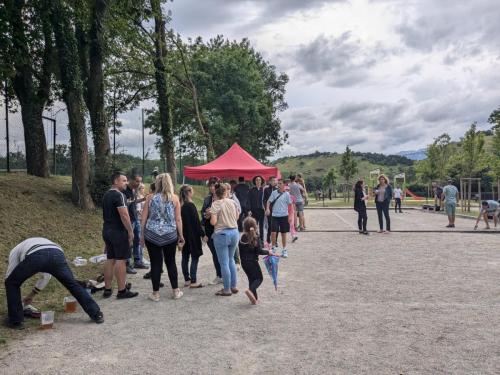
<point x="380" y="75"/>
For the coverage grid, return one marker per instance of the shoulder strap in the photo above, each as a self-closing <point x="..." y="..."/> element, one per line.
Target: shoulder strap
<point x="278" y="197"/>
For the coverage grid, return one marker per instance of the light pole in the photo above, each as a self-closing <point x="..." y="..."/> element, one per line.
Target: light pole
<point x="143" y="167"/>
<point x="7" y="126"/>
<point x="54" y="134"/>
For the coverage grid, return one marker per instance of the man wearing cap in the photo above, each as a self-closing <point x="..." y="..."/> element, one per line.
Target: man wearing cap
<point x="450" y="197"/>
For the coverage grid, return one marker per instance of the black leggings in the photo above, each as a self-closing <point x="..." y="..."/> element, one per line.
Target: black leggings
<point x="211" y="246"/>
<point x="156" y="256"/>
<point x="397" y="203"/>
<point x="269" y="223"/>
<point x="383" y="207"/>
<point x="258" y="215"/>
<point x="362" y="219"/>
<point x="254" y="274"/>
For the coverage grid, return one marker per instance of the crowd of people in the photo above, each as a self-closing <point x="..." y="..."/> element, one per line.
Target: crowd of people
<point x="446" y="196"/>
<point x="238" y="223"/>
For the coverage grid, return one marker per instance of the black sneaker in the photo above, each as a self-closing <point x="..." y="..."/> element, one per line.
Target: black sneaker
<point x="147" y="275"/>
<point x="126" y="294"/>
<point x="141" y="266"/>
<point x="98" y="318"/>
<point x="131" y="271"/>
<point x="161" y="285"/>
<point x="107" y="293"/>
<point x="18" y="326"/>
<point x="365" y="232"/>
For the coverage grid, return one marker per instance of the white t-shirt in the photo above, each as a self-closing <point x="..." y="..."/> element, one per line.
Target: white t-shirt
<point x="397" y="193"/>
<point x="30" y="246"/>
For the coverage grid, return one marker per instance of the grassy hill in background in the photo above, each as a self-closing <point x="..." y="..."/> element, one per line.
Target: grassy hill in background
<point x="314" y="166"/>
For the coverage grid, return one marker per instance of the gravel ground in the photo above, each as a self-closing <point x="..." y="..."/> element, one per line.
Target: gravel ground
<point x="402" y="303"/>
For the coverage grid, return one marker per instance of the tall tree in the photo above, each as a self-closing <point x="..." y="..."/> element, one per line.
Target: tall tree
<point x="186" y="82"/>
<point x="89" y="28"/>
<point x="26" y="53"/>
<point x="348" y="168"/>
<point x="472" y="151"/>
<point x="434" y="167"/>
<point x="67" y="52"/>
<point x="163" y="91"/>
<point x="330" y="180"/>
<point x="495" y="158"/>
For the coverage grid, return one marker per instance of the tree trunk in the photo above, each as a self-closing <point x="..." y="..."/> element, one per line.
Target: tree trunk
<point x="208" y="138"/>
<point x="163" y="98"/>
<point x="95" y="101"/>
<point x="72" y="95"/>
<point x="32" y="100"/>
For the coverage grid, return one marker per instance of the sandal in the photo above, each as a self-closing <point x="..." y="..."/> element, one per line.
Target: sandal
<point x="223" y="293"/>
<point x="154" y="297"/>
<point x="234" y="290"/>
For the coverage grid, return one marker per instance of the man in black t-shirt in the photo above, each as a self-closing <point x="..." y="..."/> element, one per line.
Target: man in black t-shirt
<point x="268" y="190"/>
<point x="118" y="236"/>
<point x="241" y="190"/>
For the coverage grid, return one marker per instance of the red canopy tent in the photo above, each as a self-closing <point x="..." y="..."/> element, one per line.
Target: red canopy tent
<point x="235" y="162"/>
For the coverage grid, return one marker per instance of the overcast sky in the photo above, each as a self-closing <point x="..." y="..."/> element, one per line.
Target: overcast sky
<point x="379" y="75"/>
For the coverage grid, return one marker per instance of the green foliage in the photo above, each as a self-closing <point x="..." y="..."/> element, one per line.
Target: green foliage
<point x="434" y="167"/>
<point x="240" y="96"/>
<point x="349" y="165"/>
<point x="472" y="151"/>
<point x="330" y="179"/>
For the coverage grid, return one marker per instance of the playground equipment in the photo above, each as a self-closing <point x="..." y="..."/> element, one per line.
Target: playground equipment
<point x="373" y="181"/>
<point x="466" y="194"/>
<point x="498" y="190"/>
<point x="414" y="196"/>
<point x="374" y="177"/>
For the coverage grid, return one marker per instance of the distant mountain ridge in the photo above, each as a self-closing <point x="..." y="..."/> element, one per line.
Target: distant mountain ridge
<point x="420" y="154"/>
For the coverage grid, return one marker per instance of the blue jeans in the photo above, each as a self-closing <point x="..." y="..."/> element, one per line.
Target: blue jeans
<point x="137" y="249"/>
<point x="50" y="261"/>
<point x="225" y="242"/>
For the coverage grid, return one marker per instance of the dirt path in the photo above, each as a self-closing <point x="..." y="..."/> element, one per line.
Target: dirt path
<point x="400" y="303"/>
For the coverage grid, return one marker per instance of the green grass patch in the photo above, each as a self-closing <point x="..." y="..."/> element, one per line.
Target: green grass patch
<point x="37" y="207"/>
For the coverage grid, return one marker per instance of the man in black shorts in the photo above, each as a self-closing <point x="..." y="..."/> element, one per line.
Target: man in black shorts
<point x="118" y="236"/>
<point x="277" y="207"/>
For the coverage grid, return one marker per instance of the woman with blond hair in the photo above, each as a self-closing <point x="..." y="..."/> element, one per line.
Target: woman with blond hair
<point x="383" y="196"/>
<point x="161" y="232"/>
<point x="224" y="217"/>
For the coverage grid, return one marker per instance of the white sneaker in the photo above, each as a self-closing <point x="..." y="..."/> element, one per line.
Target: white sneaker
<point x="284" y="253"/>
<point x="177" y="294"/>
<point x="146" y="262"/>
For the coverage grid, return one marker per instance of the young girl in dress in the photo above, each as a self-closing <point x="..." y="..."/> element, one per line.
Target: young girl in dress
<point x="250" y="250"/>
